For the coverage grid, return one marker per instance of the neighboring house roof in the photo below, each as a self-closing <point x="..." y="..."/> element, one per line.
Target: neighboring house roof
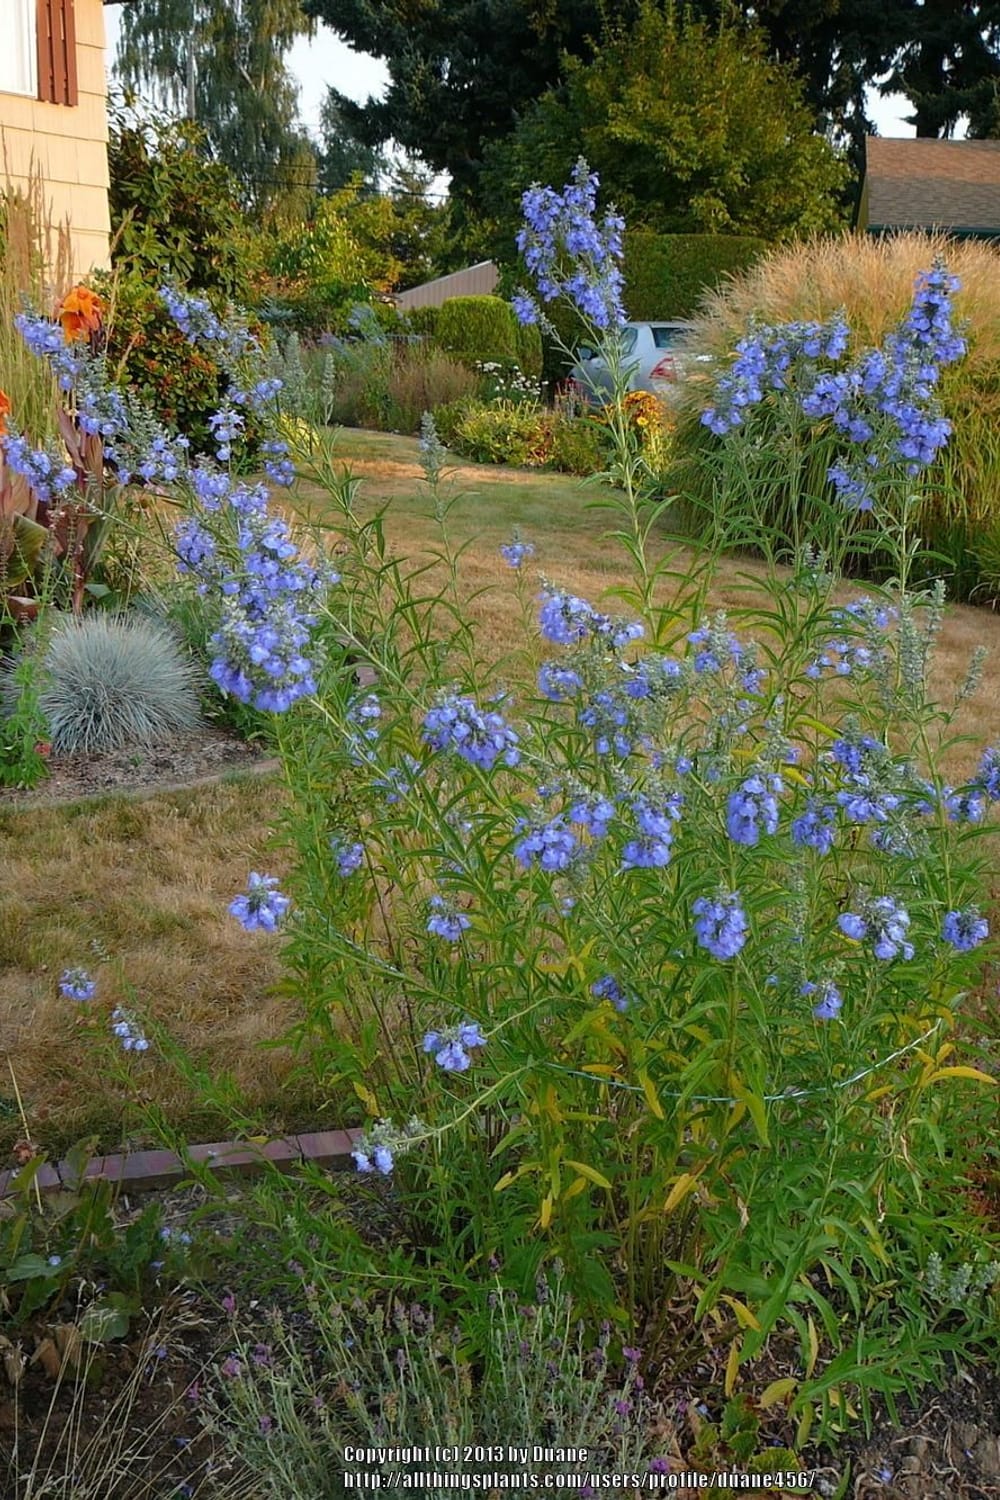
<point x="931" y="184"/>
<point x="473" y="281"/>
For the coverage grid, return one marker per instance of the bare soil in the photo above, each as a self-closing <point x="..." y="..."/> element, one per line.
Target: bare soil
<point x="188" y="760"/>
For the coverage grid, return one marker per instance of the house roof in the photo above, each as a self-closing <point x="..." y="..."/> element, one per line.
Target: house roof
<point x="932" y="184"/>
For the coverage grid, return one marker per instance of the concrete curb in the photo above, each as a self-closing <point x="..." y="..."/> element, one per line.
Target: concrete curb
<point x="145" y="1171"/>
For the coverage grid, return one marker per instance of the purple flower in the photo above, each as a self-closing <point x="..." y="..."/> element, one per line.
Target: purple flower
<point x="721" y="925"/>
<point x="609" y="989"/>
<point x="965" y="930"/>
<point x="481" y="738"/>
<point x="445" y="921"/>
<point x="514" y="553"/>
<point x="76" y="984"/>
<point x="830" y="1001"/>
<point x="262" y="906"/>
<point x="551" y="844"/>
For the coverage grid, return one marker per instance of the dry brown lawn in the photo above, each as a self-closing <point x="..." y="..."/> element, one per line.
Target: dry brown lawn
<point x="149" y="882"/>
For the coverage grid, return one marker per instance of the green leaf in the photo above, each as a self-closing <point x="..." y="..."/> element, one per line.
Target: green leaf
<point x="107" y="1319"/>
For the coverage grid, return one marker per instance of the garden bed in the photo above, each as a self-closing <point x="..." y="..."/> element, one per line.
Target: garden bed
<point x="187" y="761"/>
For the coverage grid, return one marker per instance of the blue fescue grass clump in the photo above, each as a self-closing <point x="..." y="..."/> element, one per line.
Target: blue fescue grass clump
<point x="115" y="682"/>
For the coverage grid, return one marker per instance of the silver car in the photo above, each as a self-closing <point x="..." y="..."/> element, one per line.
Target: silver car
<point x="652" y="360"/>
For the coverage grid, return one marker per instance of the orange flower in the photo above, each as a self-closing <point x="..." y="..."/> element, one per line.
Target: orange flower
<point x="4" y="411"/>
<point x="79" y="313"/>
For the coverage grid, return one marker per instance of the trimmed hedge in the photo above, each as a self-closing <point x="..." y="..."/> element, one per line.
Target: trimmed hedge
<point x="667" y="275"/>
<point x="480" y="329"/>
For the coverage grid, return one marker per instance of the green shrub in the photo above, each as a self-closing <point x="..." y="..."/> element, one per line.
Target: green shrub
<point x="114" y="682"/>
<point x="504" y="432"/>
<point x="580" y="445"/>
<point x="150" y="356"/>
<point x="668" y="275"/>
<point x="174" y="212"/>
<point x="483" y="329"/>
<point x="449" y="417"/>
<point x="423" y="320"/>
<point x="409" y="1383"/>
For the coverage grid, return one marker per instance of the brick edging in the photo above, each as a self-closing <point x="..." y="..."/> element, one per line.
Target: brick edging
<point x="146" y="1170"/>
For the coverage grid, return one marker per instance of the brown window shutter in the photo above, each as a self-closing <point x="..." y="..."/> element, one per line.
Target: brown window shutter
<point x="57" y="82"/>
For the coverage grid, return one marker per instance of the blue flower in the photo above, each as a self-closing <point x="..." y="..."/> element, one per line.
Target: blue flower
<point x="594" y="813"/>
<point x="481" y="738"/>
<point x="965" y="929"/>
<point x="445" y="921"/>
<point x="551" y="845"/>
<point x="514" y="553"/>
<point x="262" y="906"/>
<point x="813" y="828"/>
<point x="988" y="774"/>
<point x="753" y="808"/>
<point x="721" y="926"/>
<point x="349" y="857"/>
<point x="570" y="253"/>
<point x="127" y="1030"/>
<point x="565" y="619"/>
<point x="885" y="922"/>
<point x="451" y="1048"/>
<point x="76" y="984"/>
<point x="828" y="1006"/>
<point x="609" y="989"/>
<point x="556" y="682"/>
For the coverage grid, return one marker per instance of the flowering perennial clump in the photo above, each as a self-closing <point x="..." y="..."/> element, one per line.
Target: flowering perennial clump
<point x="883" y="403"/>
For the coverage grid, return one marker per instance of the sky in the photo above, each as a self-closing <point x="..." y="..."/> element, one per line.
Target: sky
<point x="325" y="60"/>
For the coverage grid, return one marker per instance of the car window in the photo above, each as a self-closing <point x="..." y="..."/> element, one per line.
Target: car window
<point x="666" y="338"/>
<point x="629" y="338"/>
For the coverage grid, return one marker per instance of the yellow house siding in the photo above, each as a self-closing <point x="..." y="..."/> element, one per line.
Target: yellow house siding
<point x="68" y="146"/>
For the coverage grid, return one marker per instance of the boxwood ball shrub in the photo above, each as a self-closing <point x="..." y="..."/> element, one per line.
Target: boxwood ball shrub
<point x="869" y="283"/>
<point x="483" y="329"/>
<point x="112" y="682"/>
